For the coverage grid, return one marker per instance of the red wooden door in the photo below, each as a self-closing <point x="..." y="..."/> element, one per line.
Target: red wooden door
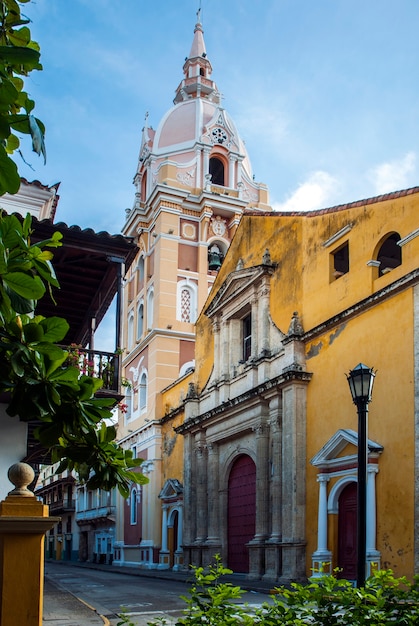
<point x="347" y="534"/>
<point x="241" y="512"/>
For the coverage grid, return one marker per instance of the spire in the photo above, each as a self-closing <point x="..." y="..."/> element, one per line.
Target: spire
<point x="197" y="70"/>
<point x="198" y="44"/>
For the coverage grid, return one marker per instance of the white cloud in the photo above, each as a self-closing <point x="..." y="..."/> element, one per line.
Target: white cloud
<point x="314" y="193"/>
<point x="394" y="175"/>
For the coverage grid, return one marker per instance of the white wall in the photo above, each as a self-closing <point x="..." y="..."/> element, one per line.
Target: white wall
<point x="12" y="447"/>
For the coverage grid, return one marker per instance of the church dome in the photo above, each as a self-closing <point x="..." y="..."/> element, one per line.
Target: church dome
<point x="198" y="121"/>
<point x="196" y="146"/>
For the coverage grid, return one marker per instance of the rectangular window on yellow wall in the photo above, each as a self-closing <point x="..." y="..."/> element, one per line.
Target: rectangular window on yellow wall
<point x="339" y="261"/>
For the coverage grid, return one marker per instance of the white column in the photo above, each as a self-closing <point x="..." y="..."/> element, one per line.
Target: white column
<point x="373" y="556"/>
<point x="321" y="560"/>
<point x="231" y="172"/>
<point x="322" y="514"/>
<point x="198" y="179"/>
<point x="205" y="168"/>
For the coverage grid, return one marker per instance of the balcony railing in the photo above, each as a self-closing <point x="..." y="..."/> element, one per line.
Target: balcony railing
<point x="96" y="513"/>
<point x="96" y="363"/>
<point x="62" y="505"/>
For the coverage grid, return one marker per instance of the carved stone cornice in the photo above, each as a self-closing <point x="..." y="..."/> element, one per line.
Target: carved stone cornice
<point x="265" y="388"/>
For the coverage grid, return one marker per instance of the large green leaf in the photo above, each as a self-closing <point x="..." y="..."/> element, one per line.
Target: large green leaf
<point x="9" y="175"/>
<point x="53" y="352"/>
<point x="12" y="143"/>
<point x="11" y="233"/>
<point x="46" y="271"/>
<point x="20" y="122"/>
<point x="19" y="303"/>
<point x="30" y="287"/>
<point x="20" y="37"/>
<point x="55" y="328"/>
<point x="4" y="127"/>
<point x="20" y="56"/>
<point x="8" y="94"/>
<point x="66" y="375"/>
<point x="33" y="332"/>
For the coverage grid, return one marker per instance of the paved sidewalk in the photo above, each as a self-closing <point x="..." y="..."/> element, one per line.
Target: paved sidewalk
<point x="61" y="608"/>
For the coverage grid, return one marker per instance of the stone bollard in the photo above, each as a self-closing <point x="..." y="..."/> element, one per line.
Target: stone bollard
<point x="23" y="523"/>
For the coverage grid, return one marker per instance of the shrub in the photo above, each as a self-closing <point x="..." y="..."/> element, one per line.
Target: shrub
<point x="324" y="601"/>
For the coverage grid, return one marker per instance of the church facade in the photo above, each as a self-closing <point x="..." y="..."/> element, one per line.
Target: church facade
<point x="269" y="427"/>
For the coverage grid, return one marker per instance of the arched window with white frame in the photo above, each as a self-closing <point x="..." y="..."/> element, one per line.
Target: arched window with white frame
<point x="187" y="301"/>
<point x="143" y="391"/>
<point x="140" y="320"/>
<point x="141" y="272"/>
<point x="130" y="331"/>
<point x="150" y="308"/>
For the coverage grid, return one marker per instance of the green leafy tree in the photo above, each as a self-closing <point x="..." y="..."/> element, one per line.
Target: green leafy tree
<point x="42" y="383"/>
<point x="34" y="369"/>
<point x="19" y="56"/>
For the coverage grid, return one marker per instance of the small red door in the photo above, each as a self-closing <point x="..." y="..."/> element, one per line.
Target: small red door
<point x="241" y="512"/>
<point x="347" y="534"/>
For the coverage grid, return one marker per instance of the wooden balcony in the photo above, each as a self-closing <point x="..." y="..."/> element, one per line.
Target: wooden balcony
<point x="98" y="364"/>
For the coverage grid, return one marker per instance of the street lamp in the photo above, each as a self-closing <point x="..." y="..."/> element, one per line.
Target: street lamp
<point x="361" y="380"/>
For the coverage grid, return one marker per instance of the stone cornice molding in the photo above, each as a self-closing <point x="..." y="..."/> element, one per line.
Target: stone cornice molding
<point x="298" y="376"/>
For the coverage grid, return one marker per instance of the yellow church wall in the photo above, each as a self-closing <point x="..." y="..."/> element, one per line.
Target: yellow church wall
<point x="381" y="338"/>
<point x="172" y="451"/>
<point x="204" y="352"/>
<point x="171" y="408"/>
<point x="324" y="296"/>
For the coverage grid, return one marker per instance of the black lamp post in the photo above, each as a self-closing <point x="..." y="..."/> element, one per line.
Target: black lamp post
<point x="361" y="380"/>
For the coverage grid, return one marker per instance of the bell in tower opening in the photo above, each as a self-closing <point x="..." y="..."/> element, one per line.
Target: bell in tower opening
<point x="215" y="258"/>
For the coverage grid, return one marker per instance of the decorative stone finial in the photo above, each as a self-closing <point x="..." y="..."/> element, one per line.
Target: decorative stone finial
<point x="191" y="393"/>
<point x="266" y="259"/>
<point x="21" y="475"/>
<point x="240" y="264"/>
<point x="296" y="328"/>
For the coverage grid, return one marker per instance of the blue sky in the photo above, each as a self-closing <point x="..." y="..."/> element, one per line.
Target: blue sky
<point x="324" y="93"/>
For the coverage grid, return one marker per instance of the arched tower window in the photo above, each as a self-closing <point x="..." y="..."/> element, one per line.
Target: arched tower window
<point x="143" y="392"/>
<point x="140" y="320"/>
<point x="389" y="254"/>
<point x="144" y="187"/>
<point x="150" y="308"/>
<point x="186" y="306"/>
<point x="130" y="337"/>
<point x="140" y="268"/>
<point x="216" y="169"/>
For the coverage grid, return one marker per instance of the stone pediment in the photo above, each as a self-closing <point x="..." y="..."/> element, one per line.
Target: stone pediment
<point x="171" y="490"/>
<point x="237" y="288"/>
<point x="342" y="446"/>
<point x="219" y="131"/>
